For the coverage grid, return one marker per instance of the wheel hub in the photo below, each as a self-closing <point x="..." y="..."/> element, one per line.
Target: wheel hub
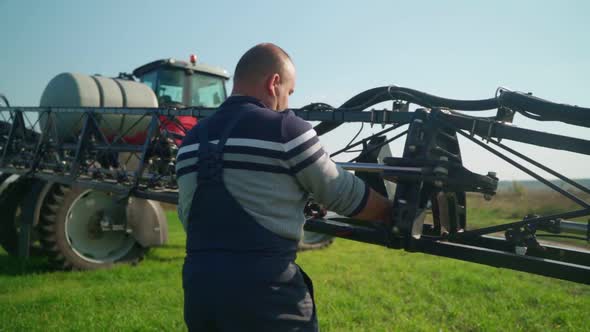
<point x="95" y="228"/>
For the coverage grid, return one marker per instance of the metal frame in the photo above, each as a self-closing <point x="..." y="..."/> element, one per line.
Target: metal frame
<point x="431" y="166"/>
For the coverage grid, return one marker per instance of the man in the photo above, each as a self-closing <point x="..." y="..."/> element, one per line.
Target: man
<point x="244" y="176"/>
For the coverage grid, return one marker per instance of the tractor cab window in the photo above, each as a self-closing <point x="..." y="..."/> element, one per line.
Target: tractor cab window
<point x="149" y="79"/>
<point x="207" y="90"/>
<point x="170" y="87"/>
<point x="168" y="84"/>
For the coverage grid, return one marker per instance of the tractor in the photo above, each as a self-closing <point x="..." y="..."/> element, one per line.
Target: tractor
<point x="81" y="228"/>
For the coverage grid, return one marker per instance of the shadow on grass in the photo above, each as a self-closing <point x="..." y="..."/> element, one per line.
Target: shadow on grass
<point x="173" y="246"/>
<point x="166" y="259"/>
<point x="38" y="264"/>
<point x="15" y="266"/>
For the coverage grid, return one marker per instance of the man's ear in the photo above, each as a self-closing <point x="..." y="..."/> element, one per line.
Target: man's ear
<point x="271" y="83"/>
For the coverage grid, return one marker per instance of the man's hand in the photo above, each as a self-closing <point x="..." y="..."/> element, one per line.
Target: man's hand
<point x="314" y="210"/>
<point x="378" y="208"/>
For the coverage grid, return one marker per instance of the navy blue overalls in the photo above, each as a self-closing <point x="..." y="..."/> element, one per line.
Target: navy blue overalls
<point x="237" y="275"/>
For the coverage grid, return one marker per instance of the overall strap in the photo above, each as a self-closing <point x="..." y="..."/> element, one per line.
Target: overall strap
<point x="211" y="156"/>
<point x="205" y="168"/>
<point x="228" y="129"/>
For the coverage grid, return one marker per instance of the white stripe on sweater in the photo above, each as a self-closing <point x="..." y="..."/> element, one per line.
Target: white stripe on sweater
<point x="257" y="143"/>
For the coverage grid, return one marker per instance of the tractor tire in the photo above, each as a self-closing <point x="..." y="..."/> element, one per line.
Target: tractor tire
<point x="9" y="199"/>
<point x="13" y="193"/>
<point x="71" y="232"/>
<point x="313" y="241"/>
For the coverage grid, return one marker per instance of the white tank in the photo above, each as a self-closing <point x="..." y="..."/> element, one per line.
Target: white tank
<point x="79" y="90"/>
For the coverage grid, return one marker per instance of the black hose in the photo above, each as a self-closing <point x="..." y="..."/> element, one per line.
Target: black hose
<point x="529" y="106"/>
<point x="361" y="101"/>
<point x="425" y="99"/>
<point x="545" y="110"/>
<point x="378" y="95"/>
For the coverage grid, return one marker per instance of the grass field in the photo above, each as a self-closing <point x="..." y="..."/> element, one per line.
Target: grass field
<point x="359" y="287"/>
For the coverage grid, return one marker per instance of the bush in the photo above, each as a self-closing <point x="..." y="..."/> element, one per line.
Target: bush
<point x="518" y="189"/>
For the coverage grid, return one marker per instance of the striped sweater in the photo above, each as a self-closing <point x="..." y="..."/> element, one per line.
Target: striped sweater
<point x="272" y="161"/>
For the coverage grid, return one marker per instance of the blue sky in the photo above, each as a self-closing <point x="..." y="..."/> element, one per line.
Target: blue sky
<point x="457" y="49"/>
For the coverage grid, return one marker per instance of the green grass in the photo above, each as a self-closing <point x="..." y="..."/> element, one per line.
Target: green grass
<point x="359" y="287"/>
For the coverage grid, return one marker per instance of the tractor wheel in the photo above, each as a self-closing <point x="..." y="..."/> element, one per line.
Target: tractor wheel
<point x="312" y="241"/>
<point x="13" y="193"/>
<point x="8" y="210"/>
<point x="73" y="234"/>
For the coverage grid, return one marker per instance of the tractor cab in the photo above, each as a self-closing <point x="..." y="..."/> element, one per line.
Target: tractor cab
<point x="184" y="84"/>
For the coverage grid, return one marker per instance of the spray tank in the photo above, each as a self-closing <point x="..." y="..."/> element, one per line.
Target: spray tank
<point x="79" y="90"/>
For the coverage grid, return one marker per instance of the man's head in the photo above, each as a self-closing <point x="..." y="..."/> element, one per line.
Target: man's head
<point x="266" y="72"/>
